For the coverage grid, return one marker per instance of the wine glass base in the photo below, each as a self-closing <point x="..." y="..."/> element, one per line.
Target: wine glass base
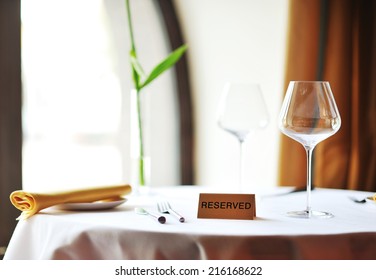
<point x="305" y="214"/>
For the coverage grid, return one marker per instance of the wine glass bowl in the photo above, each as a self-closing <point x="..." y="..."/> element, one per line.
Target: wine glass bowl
<point x="309" y="115"/>
<point x="241" y="111"/>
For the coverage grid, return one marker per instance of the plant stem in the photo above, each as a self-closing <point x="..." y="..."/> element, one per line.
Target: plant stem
<point x="141" y="164"/>
<point x="141" y="138"/>
<point x="136" y="77"/>
<point x="133" y="47"/>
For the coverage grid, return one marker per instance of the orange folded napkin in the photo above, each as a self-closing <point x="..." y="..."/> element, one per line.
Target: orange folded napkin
<point x="32" y="203"/>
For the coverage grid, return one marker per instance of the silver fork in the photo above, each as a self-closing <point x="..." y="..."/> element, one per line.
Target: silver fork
<point x="165" y="207"/>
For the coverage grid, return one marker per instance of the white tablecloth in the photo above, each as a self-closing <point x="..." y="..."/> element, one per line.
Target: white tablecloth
<point x="122" y="234"/>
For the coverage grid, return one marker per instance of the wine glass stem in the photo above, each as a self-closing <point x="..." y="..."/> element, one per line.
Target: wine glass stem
<point x="241" y="166"/>
<point x="309" y="151"/>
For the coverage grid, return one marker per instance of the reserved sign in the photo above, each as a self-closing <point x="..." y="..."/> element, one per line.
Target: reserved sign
<point x="227" y="206"/>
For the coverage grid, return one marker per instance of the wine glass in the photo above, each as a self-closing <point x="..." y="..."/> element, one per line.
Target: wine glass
<point x="309" y="115"/>
<point x="241" y="111"/>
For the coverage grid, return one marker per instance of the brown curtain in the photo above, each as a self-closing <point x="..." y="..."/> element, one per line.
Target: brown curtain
<point x="335" y="40"/>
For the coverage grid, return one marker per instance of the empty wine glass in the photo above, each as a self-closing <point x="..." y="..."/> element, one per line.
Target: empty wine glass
<point x="309" y="115"/>
<point x="241" y="111"/>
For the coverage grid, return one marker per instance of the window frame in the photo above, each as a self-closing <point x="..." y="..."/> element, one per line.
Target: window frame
<point x="184" y="94"/>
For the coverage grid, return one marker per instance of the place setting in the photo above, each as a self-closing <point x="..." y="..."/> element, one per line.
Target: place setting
<point x="83" y="199"/>
<point x="308" y="115"/>
<point x="90" y="199"/>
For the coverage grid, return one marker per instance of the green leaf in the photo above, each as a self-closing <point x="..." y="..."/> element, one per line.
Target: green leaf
<point x="136" y="65"/>
<point x="137" y="71"/>
<point x="169" y="61"/>
<point x="136" y="79"/>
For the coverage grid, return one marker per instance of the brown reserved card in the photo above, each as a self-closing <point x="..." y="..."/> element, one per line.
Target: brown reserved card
<point x="227" y="206"/>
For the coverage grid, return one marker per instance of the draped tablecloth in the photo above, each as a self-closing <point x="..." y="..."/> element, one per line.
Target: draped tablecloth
<point x="120" y="233"/>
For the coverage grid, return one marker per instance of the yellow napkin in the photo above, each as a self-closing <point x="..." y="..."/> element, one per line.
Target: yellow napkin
<point x="32" y="203"/>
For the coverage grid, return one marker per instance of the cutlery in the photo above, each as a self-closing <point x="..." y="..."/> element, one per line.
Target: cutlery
<point x="364" y="200"/>
<point x="294" y="190"/>
<point x="142" y="211"/>
<point x="165" y="207"/>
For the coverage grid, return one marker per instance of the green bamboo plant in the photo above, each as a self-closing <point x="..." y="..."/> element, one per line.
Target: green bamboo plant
<point x="141" y="80"/>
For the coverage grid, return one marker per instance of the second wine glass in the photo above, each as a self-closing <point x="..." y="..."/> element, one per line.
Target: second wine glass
<point x="241" y="111"/>
<point x="309" y="115"/>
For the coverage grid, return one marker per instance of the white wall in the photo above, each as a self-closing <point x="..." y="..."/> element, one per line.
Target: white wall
<point x="234" y="40"/>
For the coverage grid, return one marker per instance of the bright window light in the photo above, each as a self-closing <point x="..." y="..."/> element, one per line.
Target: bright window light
<point x="72" y="96"/>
